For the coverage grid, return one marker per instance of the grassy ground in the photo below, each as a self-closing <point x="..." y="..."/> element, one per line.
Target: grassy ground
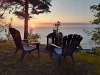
<point x="85" y="64"/>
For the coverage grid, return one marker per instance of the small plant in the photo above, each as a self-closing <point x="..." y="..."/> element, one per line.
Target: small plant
<point x="33" y="37"/>
<point x="4" y="27"/>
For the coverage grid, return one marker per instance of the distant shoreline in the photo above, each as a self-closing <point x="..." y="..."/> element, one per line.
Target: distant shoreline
<point x="61" y="27"/>
<point x="67" y="25"/>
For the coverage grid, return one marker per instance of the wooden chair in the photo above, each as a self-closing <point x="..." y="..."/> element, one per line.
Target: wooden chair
<point x="55" y="38"/>
<point x="70" y="43"/>
<point x="26" y="48"/>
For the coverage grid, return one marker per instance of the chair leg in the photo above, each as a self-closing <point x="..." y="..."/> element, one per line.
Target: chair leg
<point x="59" y="59"/>
<point x="38" y="53"/>
<point x="72" y="59"/>
<point x="51" y="51"/>
<point x="30" y="52"/>
<point x="15" y="52"/>
<point x="23" y="54"/>
<point x="37" y="47"/>
<point x="64" y="56"/>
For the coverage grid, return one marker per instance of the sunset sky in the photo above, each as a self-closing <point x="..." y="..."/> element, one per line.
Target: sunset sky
<point x="65" y="11"/>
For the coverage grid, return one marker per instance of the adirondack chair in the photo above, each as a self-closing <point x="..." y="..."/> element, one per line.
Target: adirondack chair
<point x="55" y="38"/>
<point x="26" y="48"/>
<point x="70" y="43"/>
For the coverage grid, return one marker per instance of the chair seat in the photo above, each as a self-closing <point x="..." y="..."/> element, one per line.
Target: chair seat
<point x="29" y="47"/>
<point x="58" y="51"/>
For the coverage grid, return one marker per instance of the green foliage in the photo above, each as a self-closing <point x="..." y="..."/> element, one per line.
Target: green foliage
<point x="96" y="9"/>
<point x="96" y="34"/>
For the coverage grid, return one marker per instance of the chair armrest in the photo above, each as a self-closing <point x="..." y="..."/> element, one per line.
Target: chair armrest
<point x="35" y="43"/>
<point x="55" y="46"/>
<point x="52" y="49"/>
<point x="25" y="40"/>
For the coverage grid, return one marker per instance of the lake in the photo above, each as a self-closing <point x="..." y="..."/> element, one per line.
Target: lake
<point x="66" y="30"/>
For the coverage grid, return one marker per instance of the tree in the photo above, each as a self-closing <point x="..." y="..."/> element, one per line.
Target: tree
<point x="21" y="7"/>
<point x="96" y="34"/>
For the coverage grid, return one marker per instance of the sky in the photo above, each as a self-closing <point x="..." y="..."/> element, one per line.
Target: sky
<point x="65" y="11"/>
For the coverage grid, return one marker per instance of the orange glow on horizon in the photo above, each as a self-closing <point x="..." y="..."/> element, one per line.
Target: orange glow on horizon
<point x="32" y="25"/>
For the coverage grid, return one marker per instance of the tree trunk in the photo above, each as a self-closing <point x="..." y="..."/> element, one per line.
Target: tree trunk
<point x="26" y="20"/>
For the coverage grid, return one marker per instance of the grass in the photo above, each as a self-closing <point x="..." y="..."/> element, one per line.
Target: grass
<point x="85" y="64"/>
<point x="90" y="59"/>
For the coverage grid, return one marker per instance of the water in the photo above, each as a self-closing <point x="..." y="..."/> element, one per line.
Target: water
<point x="44" y="31"/>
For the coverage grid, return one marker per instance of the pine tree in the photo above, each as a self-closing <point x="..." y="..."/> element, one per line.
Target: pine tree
<point x="23" y="9"/>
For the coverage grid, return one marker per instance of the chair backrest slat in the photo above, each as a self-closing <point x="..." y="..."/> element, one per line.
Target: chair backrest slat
<point x="70" y="43"/>
<point x="16" y="37"/>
